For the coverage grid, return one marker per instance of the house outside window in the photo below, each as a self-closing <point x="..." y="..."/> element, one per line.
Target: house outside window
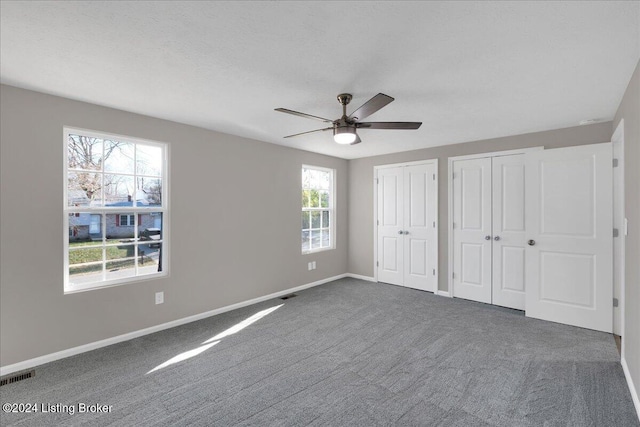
<point x="318" y="209"/>
<point x="115" y="191"/>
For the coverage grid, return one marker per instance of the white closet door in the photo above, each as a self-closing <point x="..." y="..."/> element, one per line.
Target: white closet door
<point x="569" y="222"/>
<point x="390" y="227"/>
<point x="420" y="249"/>
<point x="508" y="231"/>
<point x="472" y="229"/>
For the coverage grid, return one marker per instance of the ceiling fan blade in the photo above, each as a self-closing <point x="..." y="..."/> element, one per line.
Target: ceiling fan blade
<point x="311" y="131"/>
<point x="389" y="125"/>
<point x="371" y="106"/>
<point x="357" y="141"/>
<point x="308" y="116"/>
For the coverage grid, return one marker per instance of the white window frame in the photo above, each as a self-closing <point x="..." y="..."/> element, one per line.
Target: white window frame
<point x="117" y="210"/>
<point x="331" y="209"/>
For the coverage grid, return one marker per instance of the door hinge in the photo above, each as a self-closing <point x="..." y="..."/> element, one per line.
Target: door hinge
<point x="453" y="225"/>
<point x="615" y="163"/>
<point x="615" y="302"/>
<point x="616" y="233"/>
<point x="378" y="222"/>
<point x="453" y="275"/>
<point x="377" y="180"/>
<point x="377" y="264"/>
<point x="434" y="271"/>
<point x="434" y="176"/>
<point x="434" y="224"/>
<point x="453" y="175"/>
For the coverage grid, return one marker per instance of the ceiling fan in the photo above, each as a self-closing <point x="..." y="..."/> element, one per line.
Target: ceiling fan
<point x="344" y="128"/>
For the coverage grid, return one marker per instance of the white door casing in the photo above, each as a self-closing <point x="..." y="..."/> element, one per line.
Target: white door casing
<point x="472" y="229"/>
<point x="569" y="220"/>
<point x="508" y="283"/>
<point x="407" y="233"/>
<point x="390" y="221"/>
<point x="617" y="142"/>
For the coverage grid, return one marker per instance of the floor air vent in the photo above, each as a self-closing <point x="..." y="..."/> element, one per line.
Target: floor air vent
<point x="289" y="296"/>
<point x="17" y="377"/>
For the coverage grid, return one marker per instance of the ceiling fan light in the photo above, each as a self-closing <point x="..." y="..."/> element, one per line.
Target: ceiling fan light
<point x="344" y="135"/>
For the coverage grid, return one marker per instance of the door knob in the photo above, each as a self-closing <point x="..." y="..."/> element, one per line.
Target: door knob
<point x="400" y="232"/>
<point x="531" y="242"/>
<point x="406" y="232"/>
<point x="496" y="238"/>
<point x="487" y="237"/>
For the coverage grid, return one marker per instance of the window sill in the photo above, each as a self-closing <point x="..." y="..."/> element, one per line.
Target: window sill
<point x="70" y="289"/>
<point x="315" y="251"/>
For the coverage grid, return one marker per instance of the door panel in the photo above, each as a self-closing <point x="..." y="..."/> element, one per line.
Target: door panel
<point x="569" y="216"/>
<point x="512" y="272"/>
<point x="473" y="197"/>
<point x="390" y="217"/>
<point x="472" y="263"/>
<point x="508" y="179"/>
<point x="472" y="223"/>
<point x="417" y="256"/>
<point x="420" y="227"/>
<point x="577" y="190"/>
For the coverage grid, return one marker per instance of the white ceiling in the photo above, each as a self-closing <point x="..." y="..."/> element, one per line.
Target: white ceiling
<point x="467" y="70"/>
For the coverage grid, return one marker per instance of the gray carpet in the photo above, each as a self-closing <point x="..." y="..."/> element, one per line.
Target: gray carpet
<point x="341" y="354"/>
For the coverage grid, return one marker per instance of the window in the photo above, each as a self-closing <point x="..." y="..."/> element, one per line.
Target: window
<point x="127" y="220"/>
<point x="318" y="230"/>
<point x="116" y="216"/>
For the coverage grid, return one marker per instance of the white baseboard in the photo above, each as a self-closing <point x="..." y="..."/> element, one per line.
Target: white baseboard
<point x="632" y="388"/>
<point x="358" y="276"/>
<point x="443" y="293"/>
<point x="28" y="364"/>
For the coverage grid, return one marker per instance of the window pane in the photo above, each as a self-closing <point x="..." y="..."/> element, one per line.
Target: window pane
<point x="85" y="265"/>
<point x="85" y="229"/>
<point x="121" y="267"/>
<point x="315" y="239"/>
<point x="149" y="192"/>
<point x="120" y="261"/>
<point x="305" y="220"/>
<point x="325" y="180"/>
<point x="306" y="178"/>
<point x="84" y="152"/>
<point x="315" y="178"/>
<point x="149" y="258"/>
<point x="118" y="190"/>
<point x="315" y="219"/>
<point x="305" y="241"/>
<point x="150" y="227"/>
<point x="326" y="238"/>
<point x="315" y="199"/>
<point x="324" y="199"/>
<point x="325" y="219"/>
<point x="118" y="156"/>
<point x="117" y="252"/>
<point x="148" y="160"/>
<point x="83" y="188"/>
<point x="117" y="230"/>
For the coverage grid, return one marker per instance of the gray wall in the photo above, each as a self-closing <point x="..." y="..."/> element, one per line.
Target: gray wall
<point x="361" y="185"/>
<point x="629" y="110"/>
<point x="235" y="226"/>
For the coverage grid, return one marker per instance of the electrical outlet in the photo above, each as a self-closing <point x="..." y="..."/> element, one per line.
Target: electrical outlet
<point x="159" y="297"/>
<point x="314" y="265"/>
<point x="310" y="266"/>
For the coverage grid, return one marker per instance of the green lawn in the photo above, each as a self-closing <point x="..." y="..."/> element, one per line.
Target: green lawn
<point x="81" y="256"/>
<point x="96" y="243"/>
<point x="111" y="265"/>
